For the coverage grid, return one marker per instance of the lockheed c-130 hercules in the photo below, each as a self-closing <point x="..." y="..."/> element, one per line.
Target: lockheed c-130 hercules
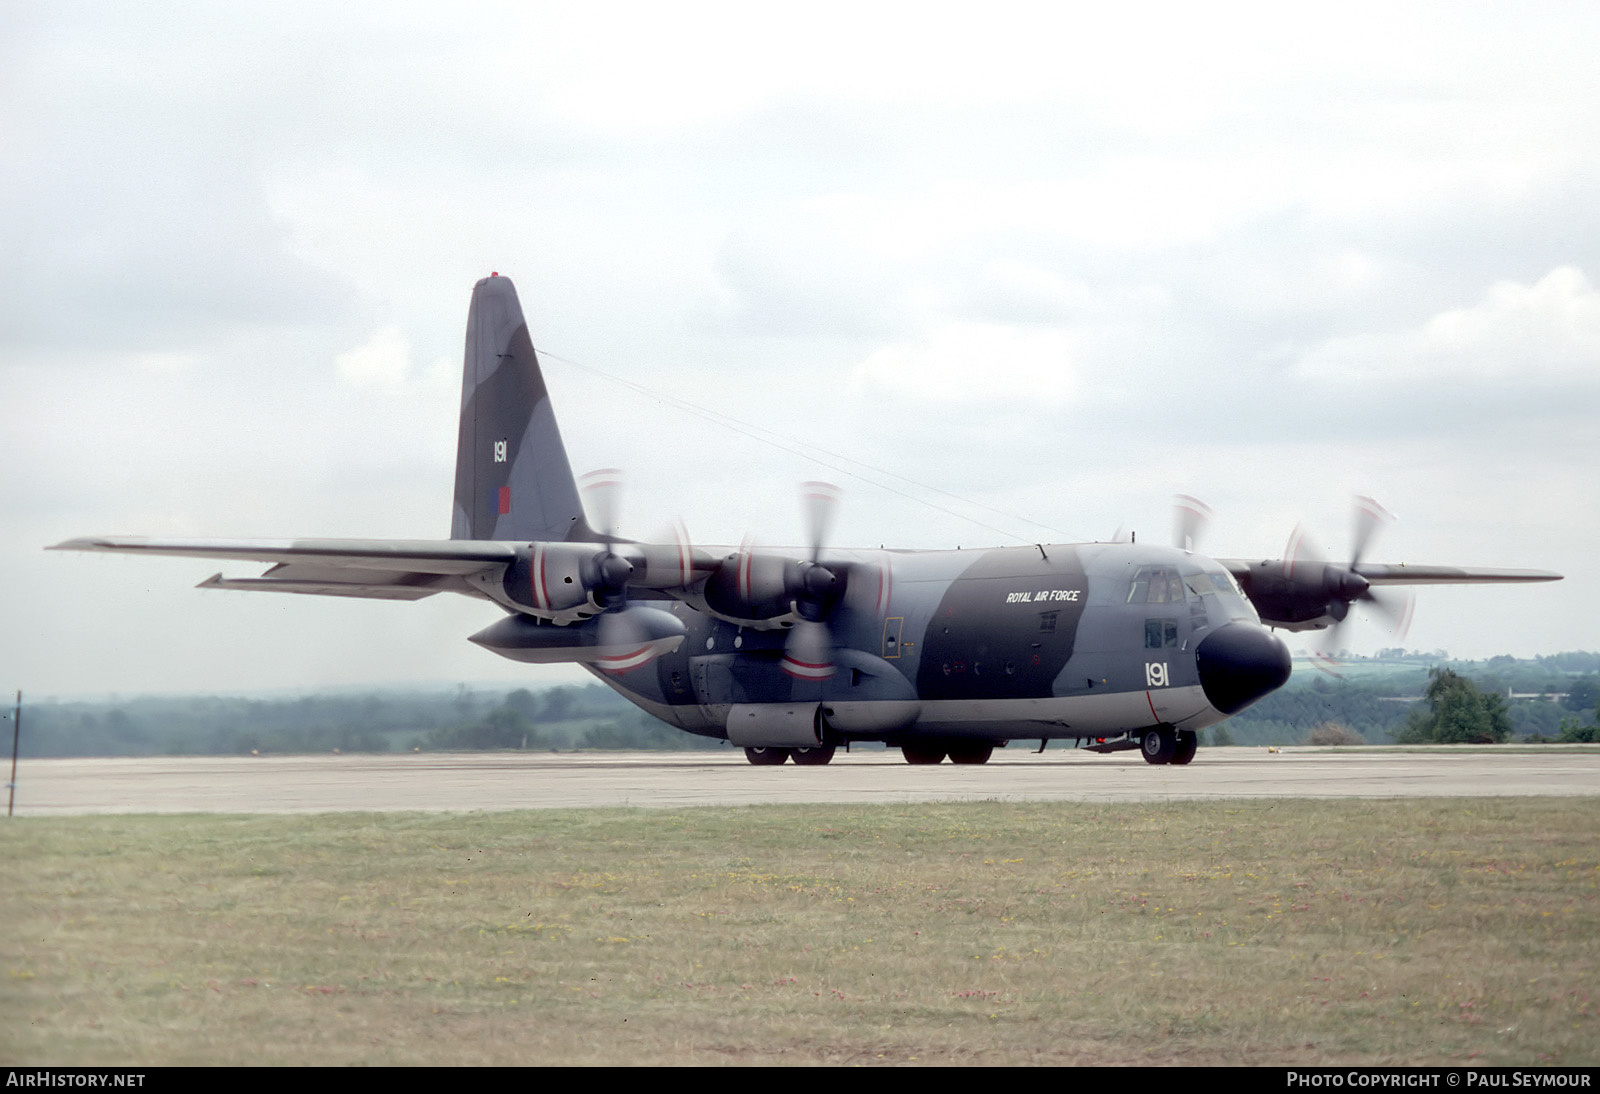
<point x="790" y="653"/>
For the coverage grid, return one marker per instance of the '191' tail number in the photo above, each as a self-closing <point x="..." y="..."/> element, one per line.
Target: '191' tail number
<point x="1155" y="674"/>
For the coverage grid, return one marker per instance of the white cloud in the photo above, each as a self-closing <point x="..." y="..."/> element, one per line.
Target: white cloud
<point x="382" y="361"/>
<point x="1546" y="332"/>
<point x="971" y="363"/>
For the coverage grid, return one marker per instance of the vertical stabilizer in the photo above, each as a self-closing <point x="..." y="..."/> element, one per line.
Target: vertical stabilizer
<point x="513" y="481"/>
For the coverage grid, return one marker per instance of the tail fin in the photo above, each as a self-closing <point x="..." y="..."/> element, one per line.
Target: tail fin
<point x="513" y="481"/>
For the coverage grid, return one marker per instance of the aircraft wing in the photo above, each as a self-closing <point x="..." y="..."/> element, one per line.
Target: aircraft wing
<point x="1310" y="595"/>
<point x="1402" y="574"/>
<point x="384" y="569"/>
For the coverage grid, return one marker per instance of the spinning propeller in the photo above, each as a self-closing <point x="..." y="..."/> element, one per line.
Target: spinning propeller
<point x="808" y="653"/>
<point x="1303" y="591"/>
<point x="1191" y="516"/>
<point x="1343" y="586"/>
<point x="767" y="590"/>
<point x="607" y="579"/>
<point x="629" y="636"/>
<point x="574" y="595"/>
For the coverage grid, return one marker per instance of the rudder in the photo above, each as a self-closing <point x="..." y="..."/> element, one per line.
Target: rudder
<point x="513" y="479"/>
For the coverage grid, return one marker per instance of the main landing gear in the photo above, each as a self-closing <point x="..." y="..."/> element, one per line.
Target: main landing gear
<point x="963" y="753"/>
<point x="1165" y="745"/>
<point x="805" y="757"/>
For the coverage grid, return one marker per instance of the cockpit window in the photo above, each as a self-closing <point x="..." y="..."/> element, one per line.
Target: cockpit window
<point x="1156" y="585"/>
<point x="1208" y="584"/>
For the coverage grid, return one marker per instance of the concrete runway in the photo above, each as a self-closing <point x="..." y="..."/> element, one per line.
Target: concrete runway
<point x="512" y="780"/>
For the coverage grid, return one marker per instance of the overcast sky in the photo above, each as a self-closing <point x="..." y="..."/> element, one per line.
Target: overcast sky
<point x="1057" y="261"/>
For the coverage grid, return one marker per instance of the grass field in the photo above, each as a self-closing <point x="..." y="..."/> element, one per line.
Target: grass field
<point x="1278" y="932"/>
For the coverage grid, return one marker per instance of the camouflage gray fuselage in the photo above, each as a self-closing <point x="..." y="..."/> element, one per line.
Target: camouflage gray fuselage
<point x="1036" y="642"/>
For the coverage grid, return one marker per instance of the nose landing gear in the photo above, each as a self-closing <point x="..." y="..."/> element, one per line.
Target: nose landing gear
<point x="1165" y="745"/>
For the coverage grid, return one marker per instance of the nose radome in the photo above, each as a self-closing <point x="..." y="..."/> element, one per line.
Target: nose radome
<point x="1239" y="663"/>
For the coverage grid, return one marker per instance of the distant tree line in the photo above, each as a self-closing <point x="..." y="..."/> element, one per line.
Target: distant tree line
<point x="566" y="717"/>
<point x="1371" y="703"/>
<point x="563" y="718"/>
<point x="1438" y="705"/>
<point x="1573" y="661"/>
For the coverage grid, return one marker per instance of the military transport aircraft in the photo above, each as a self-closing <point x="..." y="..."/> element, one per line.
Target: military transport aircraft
<point x="790" y="653"/>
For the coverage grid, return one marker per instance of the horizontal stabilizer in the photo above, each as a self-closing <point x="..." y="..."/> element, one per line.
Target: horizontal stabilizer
<point x="395" y="591"/>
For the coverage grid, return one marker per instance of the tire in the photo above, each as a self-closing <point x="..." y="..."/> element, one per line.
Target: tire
<point x="922" y="754"/>
<point x="813" y="757"/>
<point x="971" y="754"/>
<point x="1188" y="742"/>
<point x="766" y="757"/>
<point x="1160" y="744"/>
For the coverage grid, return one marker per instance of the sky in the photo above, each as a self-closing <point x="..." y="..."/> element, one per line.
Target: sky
<point x="1004" y="277"/>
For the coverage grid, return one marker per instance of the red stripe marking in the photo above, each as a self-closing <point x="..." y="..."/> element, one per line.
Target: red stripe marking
<point x="505" y="500"/>
<point x="619" y="664"/>
<point x="1153" y="713"/>
<point x="807" y="670"/>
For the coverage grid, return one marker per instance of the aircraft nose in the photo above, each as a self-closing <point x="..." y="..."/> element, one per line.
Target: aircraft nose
<point x="1239" y="663"/>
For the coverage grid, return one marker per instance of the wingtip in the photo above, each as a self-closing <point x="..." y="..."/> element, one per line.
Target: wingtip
<point x="82" y="543"/>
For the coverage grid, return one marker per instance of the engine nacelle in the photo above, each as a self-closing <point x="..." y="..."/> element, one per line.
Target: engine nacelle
<point x="564" y="582"/>
<point x="766" y="591"/>
<point x="1301" y="597"/>
<point x="615" y="641"/>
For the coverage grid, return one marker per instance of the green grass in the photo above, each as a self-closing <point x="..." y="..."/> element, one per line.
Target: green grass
<point x="1200" y="933"/>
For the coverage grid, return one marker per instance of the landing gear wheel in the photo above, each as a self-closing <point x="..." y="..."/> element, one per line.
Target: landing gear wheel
<point x="1160" y="745"/>
<point x="813" y="757"/>
<point x="971" y="754"/>
<point x="766" y="757"/>
<point x="1188" y="741"/>
<point x="922" y="754"/>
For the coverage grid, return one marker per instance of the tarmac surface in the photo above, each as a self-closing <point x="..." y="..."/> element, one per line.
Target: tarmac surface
<point x="464" y="782"/>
